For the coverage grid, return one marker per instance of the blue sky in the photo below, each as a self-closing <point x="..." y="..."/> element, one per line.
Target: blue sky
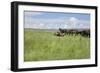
<point x="55" y="20"/>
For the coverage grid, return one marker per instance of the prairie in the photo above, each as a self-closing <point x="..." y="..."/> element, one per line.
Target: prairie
<point x="43" y="46"/>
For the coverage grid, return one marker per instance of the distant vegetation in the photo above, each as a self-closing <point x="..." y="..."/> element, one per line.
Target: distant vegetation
<point x="82" y="32"/>
<point x="42" y="46"/>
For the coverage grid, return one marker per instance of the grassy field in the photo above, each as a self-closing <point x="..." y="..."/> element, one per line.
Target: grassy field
<point x="42" y="46"/>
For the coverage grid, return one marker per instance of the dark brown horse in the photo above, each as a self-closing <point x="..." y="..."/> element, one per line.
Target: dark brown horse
<point x="85" y="33"/>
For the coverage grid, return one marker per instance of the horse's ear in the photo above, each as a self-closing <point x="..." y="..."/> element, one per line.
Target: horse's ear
<point x="59" y="28"/>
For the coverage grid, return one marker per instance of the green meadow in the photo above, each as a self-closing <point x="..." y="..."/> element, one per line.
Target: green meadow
<point x="43" y="46"/>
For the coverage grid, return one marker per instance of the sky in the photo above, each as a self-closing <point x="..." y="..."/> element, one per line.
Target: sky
<point x="56" y="20"/>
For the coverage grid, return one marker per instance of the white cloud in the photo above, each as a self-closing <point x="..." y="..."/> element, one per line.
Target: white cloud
<point x="72" y="21"/>
<point x="65" y="23"/>
<point x="30" y="13"/>
<point x="36" y="25"/>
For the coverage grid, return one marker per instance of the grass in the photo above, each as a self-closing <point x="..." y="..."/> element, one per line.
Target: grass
<point x="42" y="46"/>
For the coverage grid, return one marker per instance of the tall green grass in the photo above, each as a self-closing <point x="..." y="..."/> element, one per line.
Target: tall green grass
<point x="41" y="46"/>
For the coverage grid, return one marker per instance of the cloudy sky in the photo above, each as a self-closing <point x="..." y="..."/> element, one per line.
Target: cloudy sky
<point x="55" y="20"/>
